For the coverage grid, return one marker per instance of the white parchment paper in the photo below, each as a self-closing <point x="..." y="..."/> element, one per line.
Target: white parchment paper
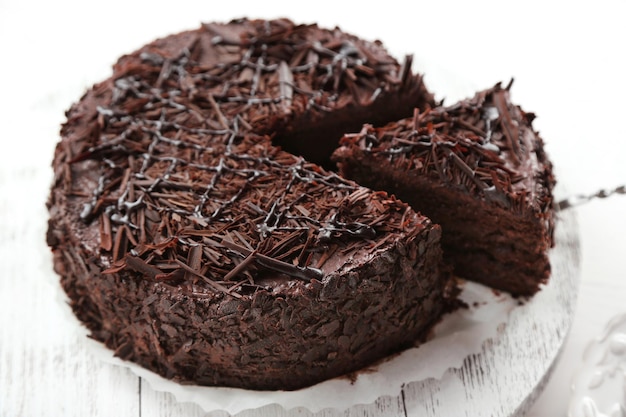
<point x="457" y="336"/>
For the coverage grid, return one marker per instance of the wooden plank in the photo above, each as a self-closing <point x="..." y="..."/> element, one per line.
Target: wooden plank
<point x="45" y="367"/>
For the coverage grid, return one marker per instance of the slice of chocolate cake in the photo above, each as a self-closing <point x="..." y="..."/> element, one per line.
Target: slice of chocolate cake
<point x="479" y="170"/>
<point x="191" y="245"/>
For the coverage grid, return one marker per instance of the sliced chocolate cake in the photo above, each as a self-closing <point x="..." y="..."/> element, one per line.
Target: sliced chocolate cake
<point x="479" y="170"/>
<point x="191" y="245"/>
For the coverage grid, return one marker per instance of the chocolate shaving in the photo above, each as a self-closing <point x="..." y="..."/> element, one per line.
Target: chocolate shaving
<point x="476" y="144"/>
<point x="181" y="158"/>
<point x="212" y="283"/>
<point x="240" y="267"/>
<point x="139" y="265"/>
<point x="466" y="169"/>
<point x="106" y="242"/>
<point x="194" y="259"/>
<point x="120" y="245"/>
<point x="286" y="85"/>
<point x="405" y="70"/>
<point x="510" y="129"/>
<point x="304" y="273"/>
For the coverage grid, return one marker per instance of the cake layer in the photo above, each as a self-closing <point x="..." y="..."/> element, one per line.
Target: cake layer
<point x="479" y="170"/>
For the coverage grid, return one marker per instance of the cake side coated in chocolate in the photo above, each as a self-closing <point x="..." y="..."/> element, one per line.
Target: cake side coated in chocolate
<point x="479" y="170"/>
<point x="191" y="245"/>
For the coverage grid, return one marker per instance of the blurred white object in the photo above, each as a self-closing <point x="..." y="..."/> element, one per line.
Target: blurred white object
<point x="599" y="388"/>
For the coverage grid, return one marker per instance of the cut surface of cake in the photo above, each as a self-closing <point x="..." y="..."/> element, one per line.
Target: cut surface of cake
<point x="479" y="170"/>
<point x="190" y="244"/>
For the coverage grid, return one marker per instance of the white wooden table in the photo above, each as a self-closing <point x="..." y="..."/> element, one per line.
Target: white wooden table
<point x="568" y="70"/>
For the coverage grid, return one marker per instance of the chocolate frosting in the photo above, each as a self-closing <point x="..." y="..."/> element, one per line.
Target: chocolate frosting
<point x="485" y="145"/>
<point x="190" y="244"/>
<point x="479" y="169"/>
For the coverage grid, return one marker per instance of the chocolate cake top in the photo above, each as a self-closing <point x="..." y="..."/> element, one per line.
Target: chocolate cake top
<point x="484" y="145"/>
<point x="166" y="166"/>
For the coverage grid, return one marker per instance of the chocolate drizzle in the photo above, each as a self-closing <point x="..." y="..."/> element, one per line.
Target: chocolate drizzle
<point x="185" y="175"/>
<point x="192" y="240"/>
<point x="477" y="144"/>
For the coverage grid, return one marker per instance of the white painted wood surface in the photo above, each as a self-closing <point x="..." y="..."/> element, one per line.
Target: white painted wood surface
<point x="46" y="369"/>
<point x="568" y="70"/>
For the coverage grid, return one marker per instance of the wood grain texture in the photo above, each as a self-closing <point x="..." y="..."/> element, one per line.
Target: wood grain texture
<point x="509" y="373"/>
<point x="47" y="369"/>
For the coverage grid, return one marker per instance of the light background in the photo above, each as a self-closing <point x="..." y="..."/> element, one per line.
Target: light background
<point x="567" y="59"/>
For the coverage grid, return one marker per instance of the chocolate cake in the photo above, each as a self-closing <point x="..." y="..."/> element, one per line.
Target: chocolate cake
<point x="479" y="170"/>
<point x="190" y="243"/>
